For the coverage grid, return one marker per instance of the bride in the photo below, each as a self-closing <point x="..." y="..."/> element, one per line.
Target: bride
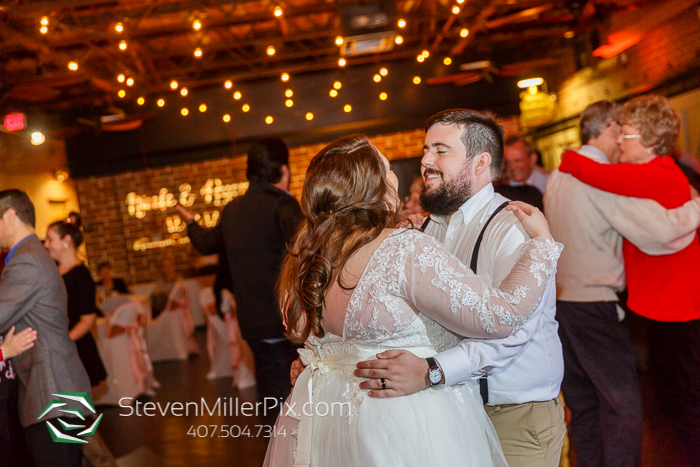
<point x="353" y="286"/>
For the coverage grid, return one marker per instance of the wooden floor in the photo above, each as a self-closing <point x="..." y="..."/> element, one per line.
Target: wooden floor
<point x="164" y="441"/>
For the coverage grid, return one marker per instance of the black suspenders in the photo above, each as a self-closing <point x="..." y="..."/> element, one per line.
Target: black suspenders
<point x="483" y="381"/>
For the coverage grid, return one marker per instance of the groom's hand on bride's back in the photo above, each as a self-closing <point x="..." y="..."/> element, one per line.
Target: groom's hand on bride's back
<point x="402" y="371"/>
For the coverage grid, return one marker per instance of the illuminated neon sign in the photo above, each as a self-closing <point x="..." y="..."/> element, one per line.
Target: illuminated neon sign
<point x="14" y="122"/>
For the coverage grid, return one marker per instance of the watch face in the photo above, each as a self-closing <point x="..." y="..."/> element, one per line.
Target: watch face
<point x="435" y="376"/>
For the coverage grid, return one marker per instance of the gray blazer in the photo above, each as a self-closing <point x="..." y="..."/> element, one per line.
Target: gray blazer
<point x="32" y="294"/>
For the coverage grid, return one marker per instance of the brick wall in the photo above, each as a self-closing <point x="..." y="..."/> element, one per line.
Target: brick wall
<point x="671" y="49"/>
<point x="111" y="230"/>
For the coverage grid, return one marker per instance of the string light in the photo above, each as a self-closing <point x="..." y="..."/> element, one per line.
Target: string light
<point x="383" y="96"/>
<point x="288" y="93"/>
<point x="455" y="10"/>
<point x="278" y="11"/>
<point x="341" y="62"/>
<point x="237" y="95"/>
<point x="339" y="41"/>
<point x="460" y="1"/>
<point x="337" y="85"/>
<point x="121" y="93"/>
<point x="130" y="82"/>
<point x="284" y="77"/>
<point x="122" y="45"/>
<point x="140" y="101"/>
<point x="121" y="78"/>
<point x="383" y="71"/>
<point x="44" y="21"/>
<point x="289" y="102"/>
<point x="309" y="116"/>
<point x="202" y="107"/>
<point x="425" y="54"/>
<point x="37" y="138"/>
<point x="270" y="50"/>
<point x="228" y="84"/>
<point x="347" y="108"/>
<point x="119" y="28"/>
<point x="416" y="80"/>
<point x="245" y="108"/>
<point x="173" y="85"/>
<point x="161" y="102"/>
<point x="268" y="120"/>
<point x="333" y="93"/>
<point x="196" y="25"/>
<point x="44" y="30"/>
<point x="420" y="59"/>
<point x="183" y="92"/>
<point x="398" y="40"/>
<point x="464" y="32"/>
<point x="226" y="118"/>
<point x="198" y="52"/>
<point x="402" y="23"/>
<point x="73" y="66"/>
<point x="377" y="78"/>
<point x="184" y="111"/>
<point x="447" y="61"/>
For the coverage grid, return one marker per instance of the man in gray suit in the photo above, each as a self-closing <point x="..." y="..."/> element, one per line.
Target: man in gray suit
<point x="32" y="294"/>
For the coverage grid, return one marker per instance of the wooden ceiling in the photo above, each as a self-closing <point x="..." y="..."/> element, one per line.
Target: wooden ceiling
<point x="234" y="36"/>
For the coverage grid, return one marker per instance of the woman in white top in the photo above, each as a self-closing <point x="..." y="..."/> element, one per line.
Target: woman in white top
<point x="353" y="286"/>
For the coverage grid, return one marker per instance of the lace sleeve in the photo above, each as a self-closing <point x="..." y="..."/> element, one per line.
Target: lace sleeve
<point x="444" y="289"/>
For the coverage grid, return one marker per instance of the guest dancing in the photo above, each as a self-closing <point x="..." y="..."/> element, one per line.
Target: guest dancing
<point x="660" y="287"/>
<point x="353" y="286"/>
<point x="62" y="241"/>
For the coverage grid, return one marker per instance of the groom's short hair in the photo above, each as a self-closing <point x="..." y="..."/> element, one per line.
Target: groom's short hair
<point x="480" y="133"/>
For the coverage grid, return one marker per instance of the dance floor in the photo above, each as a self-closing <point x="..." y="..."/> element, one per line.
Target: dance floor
<point x="164" y="440"/>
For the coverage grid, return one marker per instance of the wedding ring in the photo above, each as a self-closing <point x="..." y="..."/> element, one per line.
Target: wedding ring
<point x="383" y="383"/>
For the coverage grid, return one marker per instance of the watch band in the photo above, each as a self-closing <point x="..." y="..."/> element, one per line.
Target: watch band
<point x="432" y="364"/>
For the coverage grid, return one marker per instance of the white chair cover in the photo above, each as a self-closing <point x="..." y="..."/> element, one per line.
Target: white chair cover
<point x="123" y="352"/>
<point x="217" y="340"/>
<point x="171" y="335"/>
<point x="241" y="355"/>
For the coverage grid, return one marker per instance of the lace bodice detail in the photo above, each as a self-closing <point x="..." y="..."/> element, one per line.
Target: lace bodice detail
<point x="410" y="274"/>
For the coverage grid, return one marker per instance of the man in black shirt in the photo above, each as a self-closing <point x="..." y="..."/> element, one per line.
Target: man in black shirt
<point x="255" y="229"/>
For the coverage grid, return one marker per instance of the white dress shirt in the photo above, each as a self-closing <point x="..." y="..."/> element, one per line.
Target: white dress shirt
<point x="527" y="366"/>
<point x="538" y="179"/>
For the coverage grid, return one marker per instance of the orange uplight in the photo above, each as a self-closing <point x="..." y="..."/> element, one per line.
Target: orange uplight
<point x="617" y="43"/>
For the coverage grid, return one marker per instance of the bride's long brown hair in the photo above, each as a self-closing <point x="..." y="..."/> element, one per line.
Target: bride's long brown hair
<point x="345" y="201"/>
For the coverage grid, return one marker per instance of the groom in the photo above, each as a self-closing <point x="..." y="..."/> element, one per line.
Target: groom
<point x="519" y="376"/>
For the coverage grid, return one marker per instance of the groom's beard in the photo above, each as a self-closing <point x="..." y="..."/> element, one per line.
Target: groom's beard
<point x="448" y="197"/>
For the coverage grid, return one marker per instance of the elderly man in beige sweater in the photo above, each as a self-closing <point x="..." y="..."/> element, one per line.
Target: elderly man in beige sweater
<point x="600" y="382"/>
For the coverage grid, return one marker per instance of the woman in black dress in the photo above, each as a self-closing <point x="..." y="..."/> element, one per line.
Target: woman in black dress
<point x="62" y="240"/>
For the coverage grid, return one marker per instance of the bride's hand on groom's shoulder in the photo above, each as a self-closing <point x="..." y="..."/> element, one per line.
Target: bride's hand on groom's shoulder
<point x="403" y="374"/>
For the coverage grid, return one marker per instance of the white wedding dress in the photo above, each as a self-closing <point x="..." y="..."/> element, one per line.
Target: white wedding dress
<point x="409" y="280"/>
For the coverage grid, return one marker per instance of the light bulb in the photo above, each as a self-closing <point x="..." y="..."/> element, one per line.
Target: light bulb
<point x="183" y="92"/>
<point x="198" y="52"/>
<point x="122" y="45"/>
<point x="184" y="111"/>
<point x="289" y="102"/>
<point x="464" y="32"/>
<point x="161" y="102"/>
<point x="270" y="50"/>
<point x="337" y="85"/>
<point x="121" y="78"/>
<point x="339" y="41"/>
<point x="377" y="78"/>
<point x="202" y="107"/>
<point x="119" y="27"/>
<point x="268" y="119"/>
<point x="130" y="82"/>
<point x="140" y="101"/>
<point x="309" y="116"/>
<point x="447" y="61"/>
<point x="237" y="95"/>
<point x="398" y="40"/>
<point x="416" y="80"/>
<point x="383" y="72"/>
<point x="173" y="85"/>
<point x="383" y="96"/>
<point x="73" y="66"/>
<point x="284" y="77"/>
<point x="196" y="25"/>
<point x="341" y="62"/>
<point x="228" y="84"/>
<point x="347" y="108"/>
<point x="245" y="108"/>
<point x="401" y="24"/>
<point x="227" y="118"/>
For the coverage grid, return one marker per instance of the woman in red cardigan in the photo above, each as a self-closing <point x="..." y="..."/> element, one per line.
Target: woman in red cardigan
<point x="663" y="289"/>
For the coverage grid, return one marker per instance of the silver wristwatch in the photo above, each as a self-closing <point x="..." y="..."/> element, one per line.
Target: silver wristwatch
<point x="434" y="374"/>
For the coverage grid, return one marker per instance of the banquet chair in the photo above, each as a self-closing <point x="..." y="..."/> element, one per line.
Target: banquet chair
<point x="241" y="355"/>
<point x="171" y="335"/>
<point x="217" y="339"/>
<point x="124" y="354"/>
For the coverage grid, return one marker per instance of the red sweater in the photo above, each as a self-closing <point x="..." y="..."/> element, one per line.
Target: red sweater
<point x="663" y="288"/>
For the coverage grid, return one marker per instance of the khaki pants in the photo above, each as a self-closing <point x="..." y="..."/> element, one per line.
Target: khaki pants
<point x="531" y="434"/>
